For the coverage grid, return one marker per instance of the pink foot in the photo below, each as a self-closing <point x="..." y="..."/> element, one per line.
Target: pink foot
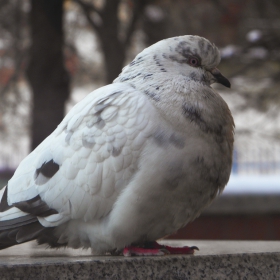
<point x="155" y="249"/>
<point x="138" y="251"/>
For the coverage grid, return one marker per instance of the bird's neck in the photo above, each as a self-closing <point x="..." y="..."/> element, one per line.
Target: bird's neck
<point x="183" y="102"/>
<point x="196" y="105"/>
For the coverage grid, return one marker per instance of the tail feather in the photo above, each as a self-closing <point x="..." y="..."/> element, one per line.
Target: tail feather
<point x="29" y="232"/>
<point x="9" y="224"/>
<point x="22" y="234"/>
<point x="48" y="237"/>
<point x="4" y="206"/>
<point x="17" y="226"/>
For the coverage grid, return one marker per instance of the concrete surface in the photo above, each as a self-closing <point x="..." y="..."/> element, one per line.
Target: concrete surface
<point x="215" y="260"/>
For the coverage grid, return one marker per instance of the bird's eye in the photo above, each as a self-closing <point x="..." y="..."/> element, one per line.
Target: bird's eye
<point x="194" y="61"/>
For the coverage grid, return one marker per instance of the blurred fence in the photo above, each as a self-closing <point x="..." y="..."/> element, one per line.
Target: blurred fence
<point x="256" y="161"/>
<point x="251" y="161"/>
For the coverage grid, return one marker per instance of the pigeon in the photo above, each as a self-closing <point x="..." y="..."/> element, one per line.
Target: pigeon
<point x="133" y="162"/>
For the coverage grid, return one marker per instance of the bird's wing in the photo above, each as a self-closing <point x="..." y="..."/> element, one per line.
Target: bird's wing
<point x="79" y="170"/>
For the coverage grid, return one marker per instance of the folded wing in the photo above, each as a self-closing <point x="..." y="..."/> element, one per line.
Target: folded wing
<point x="79" y="170"/>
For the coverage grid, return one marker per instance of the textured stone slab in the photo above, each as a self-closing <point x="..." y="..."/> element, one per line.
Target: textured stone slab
<point x="215" y="260"/>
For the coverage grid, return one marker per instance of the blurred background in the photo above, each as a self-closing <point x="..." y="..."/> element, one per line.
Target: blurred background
<point x="54" y="52"/>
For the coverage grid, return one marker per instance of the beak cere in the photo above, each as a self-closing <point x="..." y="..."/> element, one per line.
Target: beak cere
<point x="220" y="78"/>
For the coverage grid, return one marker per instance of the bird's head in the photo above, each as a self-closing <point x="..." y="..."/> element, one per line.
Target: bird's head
<point x="176" y="74"/>
<point x="192" y="57"/>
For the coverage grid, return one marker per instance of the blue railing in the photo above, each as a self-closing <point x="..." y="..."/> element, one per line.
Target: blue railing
<point x="262" y="161"/>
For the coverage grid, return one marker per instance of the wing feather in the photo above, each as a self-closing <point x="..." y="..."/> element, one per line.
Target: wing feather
<point x="92" y="148"/>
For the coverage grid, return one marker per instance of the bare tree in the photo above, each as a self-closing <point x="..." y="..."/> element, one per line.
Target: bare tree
<point x="106" y="23"/>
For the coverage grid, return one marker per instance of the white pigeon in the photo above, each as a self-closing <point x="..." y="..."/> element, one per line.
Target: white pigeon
<point x="132" y="162"/>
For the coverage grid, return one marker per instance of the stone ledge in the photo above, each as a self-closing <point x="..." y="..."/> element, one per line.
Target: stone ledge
<point x="215" y="260"/>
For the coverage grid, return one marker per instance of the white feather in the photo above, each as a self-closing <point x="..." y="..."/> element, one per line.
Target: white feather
<point x="11" y="214"/>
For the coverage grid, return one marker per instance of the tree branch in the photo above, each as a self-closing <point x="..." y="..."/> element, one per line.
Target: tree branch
<point x="138" y="7"/>
<point x="111" y="7"/>
<point x="90" y="7"/>
<point x="87" y="9"/>
<point x="220" y="7"/>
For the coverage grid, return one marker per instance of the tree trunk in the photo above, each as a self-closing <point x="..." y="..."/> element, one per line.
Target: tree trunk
<point x="112" y="46"/>
<point x="47" y="75"/>
<point x="114" y="56"/>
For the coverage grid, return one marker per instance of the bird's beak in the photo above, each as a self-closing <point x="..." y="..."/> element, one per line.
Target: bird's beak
<point x="220" y="78"/>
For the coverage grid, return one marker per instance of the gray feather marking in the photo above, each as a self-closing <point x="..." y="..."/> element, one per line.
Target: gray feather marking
<point x="68" y="136"/>
<point x="14" y="223"/>
<point x="45" y="172"/>
<point x="41" y="180"/>
<point x="35" y="206"/>
<point x="4" y="206"/>
<point x="177" y="141"/>
<point x="100" y="107"/>
<point x="116" y="151"/>
<point x="115" y="94"/>
<point x="100" y="123"/>
<point x="160" y="138"/>
<point x="152" y="95"/>
<point x="29" y="232"/>
<point x="194" y="115"/>
<point x="88" y="143"/>
<point x="21" y="233"/>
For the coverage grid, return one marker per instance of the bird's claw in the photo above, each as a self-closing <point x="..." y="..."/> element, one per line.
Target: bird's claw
<point x="155" y="249"/>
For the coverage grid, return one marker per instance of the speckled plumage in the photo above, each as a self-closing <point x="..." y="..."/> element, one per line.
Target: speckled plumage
<point x="132" y="162"/>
